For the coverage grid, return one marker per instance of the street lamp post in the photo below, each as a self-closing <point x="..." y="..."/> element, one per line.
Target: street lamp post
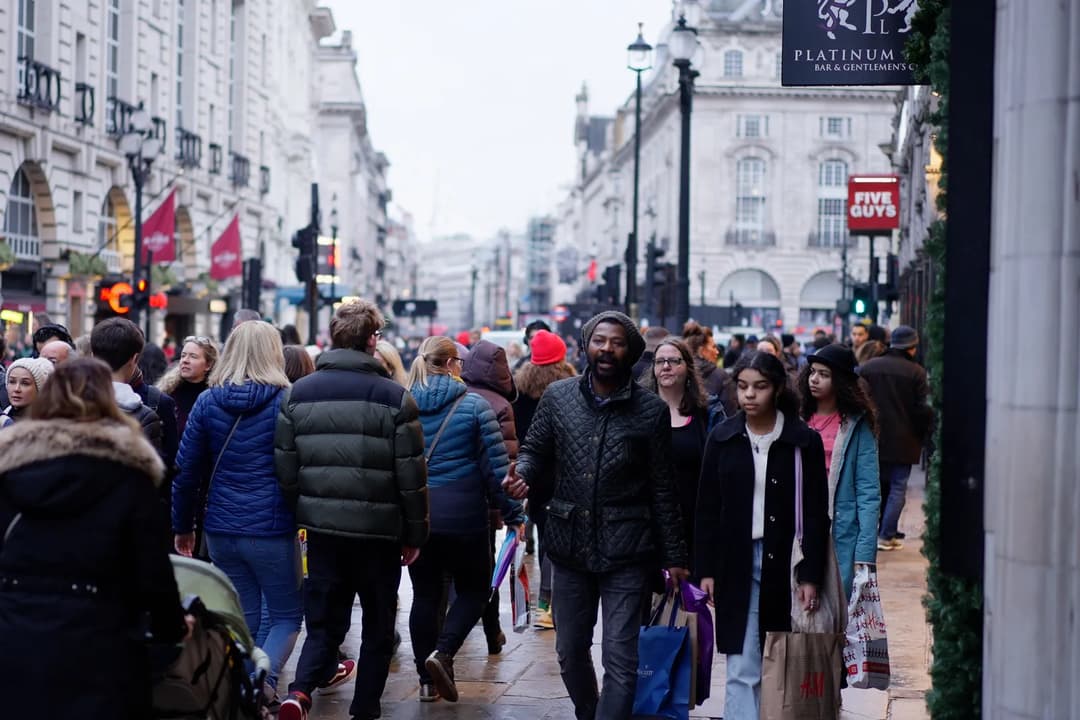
<point x="683" y="43"/>
<point x="639" y="59"/>
<point x="141" y="149"/>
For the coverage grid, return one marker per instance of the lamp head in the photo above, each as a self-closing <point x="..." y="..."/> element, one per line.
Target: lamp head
<point x="639" y="53"/>
<point x="683" y="41"/>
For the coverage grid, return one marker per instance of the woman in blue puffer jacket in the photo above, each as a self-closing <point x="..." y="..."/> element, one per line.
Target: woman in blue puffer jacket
<point x="250" y="532"/>
<point x="467" y="462"/>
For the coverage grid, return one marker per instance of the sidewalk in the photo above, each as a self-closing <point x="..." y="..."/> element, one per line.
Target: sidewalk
<point x="523" y="682"/>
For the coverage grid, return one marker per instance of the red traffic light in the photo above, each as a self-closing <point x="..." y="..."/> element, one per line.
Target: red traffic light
<point x="159" y="301"/>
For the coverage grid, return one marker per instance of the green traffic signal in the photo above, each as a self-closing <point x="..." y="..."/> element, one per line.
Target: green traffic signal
<point x="860" y="307"/>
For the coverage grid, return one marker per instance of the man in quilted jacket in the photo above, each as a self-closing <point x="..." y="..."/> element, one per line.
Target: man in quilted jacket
<point x="349" y="452"/>
<point x="613" y="520"/>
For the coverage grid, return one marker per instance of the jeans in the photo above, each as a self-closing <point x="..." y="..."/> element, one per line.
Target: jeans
<point x="264" y="567"/>
<point x="580" y="594"/>
<point x="897" y="477"/>
<point x="466" y="559"/>
<point x="340" y="569"/>
<point x="742" y="694"/>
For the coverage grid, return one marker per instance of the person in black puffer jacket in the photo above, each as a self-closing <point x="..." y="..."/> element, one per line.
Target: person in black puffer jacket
<point x="613" y="518"/>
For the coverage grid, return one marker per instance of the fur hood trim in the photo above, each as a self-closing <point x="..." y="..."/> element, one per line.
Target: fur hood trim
<point x="33" y="441"/>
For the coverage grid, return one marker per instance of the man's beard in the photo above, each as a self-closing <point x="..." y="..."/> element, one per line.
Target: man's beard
<point x="615" y="371"/>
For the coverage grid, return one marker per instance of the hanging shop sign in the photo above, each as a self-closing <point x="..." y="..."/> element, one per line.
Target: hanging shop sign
<point x="847" y="42"/>
<point x="873" y="203"/>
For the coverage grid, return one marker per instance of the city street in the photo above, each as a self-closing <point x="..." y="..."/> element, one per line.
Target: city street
<point x="523" y="682"/>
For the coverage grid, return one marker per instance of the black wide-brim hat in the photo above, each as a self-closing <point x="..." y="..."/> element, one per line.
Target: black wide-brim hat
<point x="836" y="357"/>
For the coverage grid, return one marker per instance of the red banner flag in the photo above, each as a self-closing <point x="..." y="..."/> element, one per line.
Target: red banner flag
<point x="158" y="233"/>
<point x="225" y="260"/>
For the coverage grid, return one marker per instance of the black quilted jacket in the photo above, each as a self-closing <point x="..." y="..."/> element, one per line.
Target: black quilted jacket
<point x="614" y="501"/>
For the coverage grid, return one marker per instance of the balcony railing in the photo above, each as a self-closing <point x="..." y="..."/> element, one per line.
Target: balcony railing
<point x="111" y="258"/>
<point x="215" y="159"/>
<point x="39" y="85"/>
<point x="239" y="170"/>
<point x="828" y="240"/>
<point x="117" y="116"/>
<point x="188" y="148"/>
<point x="25" y="247"/>
<point x="84" y="103"/>
<point x="264" y="179"/>
<point x="750" y="237"/>
<point x="161" y="129"/>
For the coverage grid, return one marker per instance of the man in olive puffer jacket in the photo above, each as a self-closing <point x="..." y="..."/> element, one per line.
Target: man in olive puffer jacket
<point x="349" y="452"/>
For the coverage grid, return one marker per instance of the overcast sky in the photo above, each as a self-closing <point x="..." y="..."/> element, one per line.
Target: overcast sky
<point x="473" y="101"/>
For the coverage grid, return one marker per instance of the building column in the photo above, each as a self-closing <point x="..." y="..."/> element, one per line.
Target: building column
<point x="1032" y="629"/>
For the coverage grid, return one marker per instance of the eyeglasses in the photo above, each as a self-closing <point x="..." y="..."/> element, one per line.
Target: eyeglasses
<point x="378" y="333"/>
<point x="670" y="362"/>
<point x="455" y="359"/>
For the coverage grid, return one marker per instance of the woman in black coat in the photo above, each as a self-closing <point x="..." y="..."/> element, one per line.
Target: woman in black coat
<point x="82" y="579"/>
<point x="745" y="523"/>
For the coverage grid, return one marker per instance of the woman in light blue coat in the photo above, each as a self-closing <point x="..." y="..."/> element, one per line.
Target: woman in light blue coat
<point x="836" y="405"/>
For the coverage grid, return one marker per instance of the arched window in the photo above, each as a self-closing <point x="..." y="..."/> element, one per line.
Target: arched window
<point x="749" y="202"/>
<point x="817" y="302"/>
<point x="753" y="298"/>
<point x="832" y="204"/>
<point x="733" y="64"/>
<point x="20" y="219"/>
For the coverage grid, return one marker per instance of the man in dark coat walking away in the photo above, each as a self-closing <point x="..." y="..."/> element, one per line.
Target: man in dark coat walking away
<point x="349" y="453"/>
<point x="486" y="372"/>
<point x="613" y="518"/>
<point x="900" y="390"/>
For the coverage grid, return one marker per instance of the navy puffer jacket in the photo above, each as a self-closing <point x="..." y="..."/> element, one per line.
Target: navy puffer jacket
<point x="469" y="462"/>
<point x="244" y="495"/>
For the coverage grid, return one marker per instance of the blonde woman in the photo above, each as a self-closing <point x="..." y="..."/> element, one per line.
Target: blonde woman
<point x="250" y="530"/>
<point x="186" y="380"/>
<point x="466" y="466"/>
<point x="388" y="355"/>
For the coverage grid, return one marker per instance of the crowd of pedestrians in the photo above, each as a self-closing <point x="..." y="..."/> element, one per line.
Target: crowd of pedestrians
<point x="660" y="453"/>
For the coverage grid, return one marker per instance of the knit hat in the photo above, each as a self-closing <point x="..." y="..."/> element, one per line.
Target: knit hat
<point x="39" y="368"/>
<point x="904" y="337"/>
<point x="787" y="340"/>
<point x="547" y="348"/>
<point x="836" y="357"/>
<point x="635" y="343"/>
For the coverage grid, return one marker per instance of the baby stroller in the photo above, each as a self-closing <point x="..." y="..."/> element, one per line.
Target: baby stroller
<point x="219" y="673"/>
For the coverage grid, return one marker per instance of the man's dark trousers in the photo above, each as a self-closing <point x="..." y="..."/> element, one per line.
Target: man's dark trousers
<point x="339" y="569"/>
<point x="577" y="595"/>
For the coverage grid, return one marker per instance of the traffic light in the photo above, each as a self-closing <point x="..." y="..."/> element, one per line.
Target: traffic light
<point x="140" y="295"/>
<point x="306" y="241"/>
<point x="860" y="299"/>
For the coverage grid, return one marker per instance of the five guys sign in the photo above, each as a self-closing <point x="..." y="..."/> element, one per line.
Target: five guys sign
<point x="873" y="203"/>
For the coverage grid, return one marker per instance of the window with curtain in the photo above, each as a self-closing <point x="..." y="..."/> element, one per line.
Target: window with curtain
<point x="832" y="204"/>
<point x="112" y="48"/>
<point x="20" y="219"/>
<point x="750" y="200"/>
<point x="25" y="35"/>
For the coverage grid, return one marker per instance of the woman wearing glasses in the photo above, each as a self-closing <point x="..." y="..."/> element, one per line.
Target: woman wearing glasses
<point x="674" y="377"/>
<point x="467" y="462"/>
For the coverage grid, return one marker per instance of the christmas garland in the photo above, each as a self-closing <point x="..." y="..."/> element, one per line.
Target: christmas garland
<point x="954" y="605"/>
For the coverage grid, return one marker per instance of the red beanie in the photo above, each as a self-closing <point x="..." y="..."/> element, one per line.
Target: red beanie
<point x="465" y="338"/>
<point x="547" y="348"/>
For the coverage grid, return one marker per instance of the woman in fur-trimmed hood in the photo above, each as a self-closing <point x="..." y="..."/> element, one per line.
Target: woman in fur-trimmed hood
<point x="81" y="562"/>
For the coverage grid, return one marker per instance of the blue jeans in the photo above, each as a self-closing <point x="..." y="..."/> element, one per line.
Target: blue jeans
<point x="579" y="594"/>
<point x="897" y="478"/>
<point x="264" y="567"/>
<point x="742" y="694"/>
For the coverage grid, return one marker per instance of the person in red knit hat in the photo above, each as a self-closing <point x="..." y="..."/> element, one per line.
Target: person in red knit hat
<point x="547" y="348"/>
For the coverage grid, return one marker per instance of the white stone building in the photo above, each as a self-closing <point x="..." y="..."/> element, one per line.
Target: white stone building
<point x="768" y="174"/>
<point x="234" y="90"/>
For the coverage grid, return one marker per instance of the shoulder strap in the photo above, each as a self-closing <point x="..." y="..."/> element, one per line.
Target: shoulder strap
<point x="798" y="495"/>
<point x="11" y="526"/>
<point x="153" y="397"/>
<point x="445" y="422"/>
<point x="222" y="453"/>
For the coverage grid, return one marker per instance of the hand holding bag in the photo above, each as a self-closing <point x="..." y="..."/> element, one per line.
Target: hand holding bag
<point x="866" y="654"/>
<point x="665" y="667"/>
<point x="800" y="672"/>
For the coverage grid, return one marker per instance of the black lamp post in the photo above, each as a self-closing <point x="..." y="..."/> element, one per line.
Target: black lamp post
<point x="682" y="45"/>
<point x="639" y="59"/>
<point x="141" y="149"/>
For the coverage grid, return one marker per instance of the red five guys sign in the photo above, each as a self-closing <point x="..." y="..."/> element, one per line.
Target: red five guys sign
<point x="873" y="203"/>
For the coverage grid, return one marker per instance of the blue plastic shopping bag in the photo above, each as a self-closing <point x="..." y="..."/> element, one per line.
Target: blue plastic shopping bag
<point x="665" y="665"/>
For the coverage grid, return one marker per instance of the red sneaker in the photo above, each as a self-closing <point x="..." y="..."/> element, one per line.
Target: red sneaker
<point x="346" y="672"/>
<point x="295" y="707"/>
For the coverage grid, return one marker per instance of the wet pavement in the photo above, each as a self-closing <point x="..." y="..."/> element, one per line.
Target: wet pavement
<point x="523" y="682"/>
